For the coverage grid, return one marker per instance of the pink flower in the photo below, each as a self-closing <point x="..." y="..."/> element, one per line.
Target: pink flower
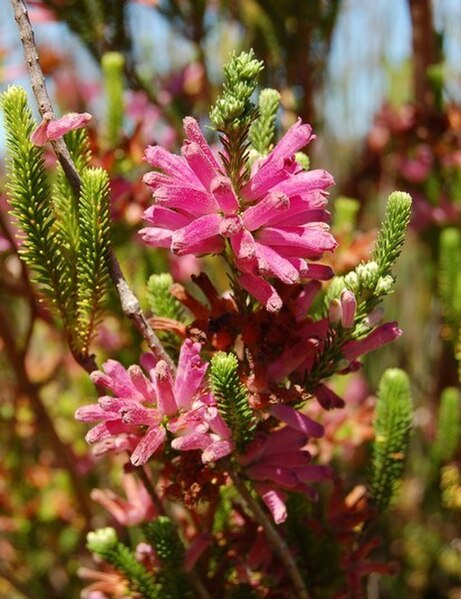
<point x="275" y="222"/>
<point x="136" y="508"/>
<point x="380" y="336"/>
<point x="51" y="129"/>
<point x="278" y="462"/>
<point x="142" y="409"/>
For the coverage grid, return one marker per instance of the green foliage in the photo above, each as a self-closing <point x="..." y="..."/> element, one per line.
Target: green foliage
<point x="105" y="544"/>
<point x="161" y="302"/>
<point x="345" y="214"/>
<point x="392" y="232"/>
<point x="163" y="536"/>
<point x="448" y="434"/>
<point x="65" y="200"/>
<point x="234" y="109"/>
<point x="262" y="131"/>
<point x="30" y="197"/>
<point x="232" y="397"/>
<point x="93" y="251"/>
<point x="234" y="112"/>
<point x="392" y="432"/>
<point x="450" y="275"/>
<point x="112" y="64"/>
<point x="318" y="554"/>
<point x="66" y="238"/>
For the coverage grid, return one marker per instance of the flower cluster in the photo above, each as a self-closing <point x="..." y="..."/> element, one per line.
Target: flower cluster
<point x="271" y="226"/>
<point x="143" y="411"/>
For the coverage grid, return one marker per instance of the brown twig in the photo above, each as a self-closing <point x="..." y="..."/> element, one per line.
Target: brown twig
<point x="129" y="302"/>
<point x="272" y="535"/>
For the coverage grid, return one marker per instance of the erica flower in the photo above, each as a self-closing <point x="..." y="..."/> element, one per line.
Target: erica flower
<point x="279" y="461"/>
<point x="51" y="129"/>
<point x="273" y="224"/>
<point x="143" y="409"/>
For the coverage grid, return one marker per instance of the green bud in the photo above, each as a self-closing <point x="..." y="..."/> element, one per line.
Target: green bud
<point x="99" y="541"/>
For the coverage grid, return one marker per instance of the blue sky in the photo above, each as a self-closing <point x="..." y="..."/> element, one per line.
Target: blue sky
<point x="369" y="35"/>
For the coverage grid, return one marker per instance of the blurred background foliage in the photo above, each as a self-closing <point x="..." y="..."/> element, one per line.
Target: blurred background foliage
<point x="381" y="84"/>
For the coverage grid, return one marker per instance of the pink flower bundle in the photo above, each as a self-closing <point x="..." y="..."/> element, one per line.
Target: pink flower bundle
<point x="144" y="411"/>
<point x="271" y="227"/>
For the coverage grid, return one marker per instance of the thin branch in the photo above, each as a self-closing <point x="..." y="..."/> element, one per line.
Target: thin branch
<point x="129" y="302"/>
<point x="272" y="535"/>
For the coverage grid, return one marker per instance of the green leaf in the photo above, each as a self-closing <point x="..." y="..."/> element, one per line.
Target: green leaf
<point x="392" y="232"/>
<point x="448" y="435"/>
<point x="112" y="64"/>
<point x="392" y="432"/>
<point x="163" y="536"/>
<point x="450" y="274"/>
<point x="262" y="130"/>
<point x="160" y="299"/>
<point x="93" y="251"/>
<point x="232" y="397"/>
<point x="104" y="543"/>
<point x="30" y="198"/>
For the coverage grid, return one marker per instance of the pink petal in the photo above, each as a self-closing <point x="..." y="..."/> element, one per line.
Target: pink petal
<point x="244" y="247"/>
<point x="195" y="233"/>
<point x="187" y="199"/>
<point x="380" y="336"/>
<point x="317" y="215"/>
<point x="221" y="188"/>
<point x="163" y="384"/>
<point x="284" y="439"/>
<point x="170" y="164"/>
<point x="190" y="373"/>
<point x="270" y="262"/>
<point x="282" y="476"/>
<point x="304" y="300"/>
<point x="141" y="383"/>
<point x="73" y="120"/>
<point x="266" y="177"/>
<point x="165" y="217"/>
<point x="148" y="445"/>
<point x="313" y="238"/>
<point x="297" y="136"/>
<point x="121" y="383"/>
<point x="327" y="398"/>
<point x="156" y="237"/>
<point x="348" y="308"/>
<point x="305" y="182"/>
<point x="191" y="441"/>
<point x="274" y="501"/>
<point x="313" y="473"/>
<point x="199" y="163"/>
<point x="259" y="214"/>
<point x="39" y="136"/>
<point x="90" y="413"/>
<point x="193" y="133"/>
<point x="321" y="272"/>
<point x="217" y="450"/>
<point x="297" y="420"/>
<point x="262" y="291"/>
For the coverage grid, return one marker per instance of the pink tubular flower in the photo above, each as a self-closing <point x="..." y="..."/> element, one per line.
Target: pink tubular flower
<point x="51" y="129"/>
<point x="380" y="336"/>
<point x="135" y="509"/>
<point x="276" y="222"/>
<point x="142" y="409"/>
<point x="279" y="462"/>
